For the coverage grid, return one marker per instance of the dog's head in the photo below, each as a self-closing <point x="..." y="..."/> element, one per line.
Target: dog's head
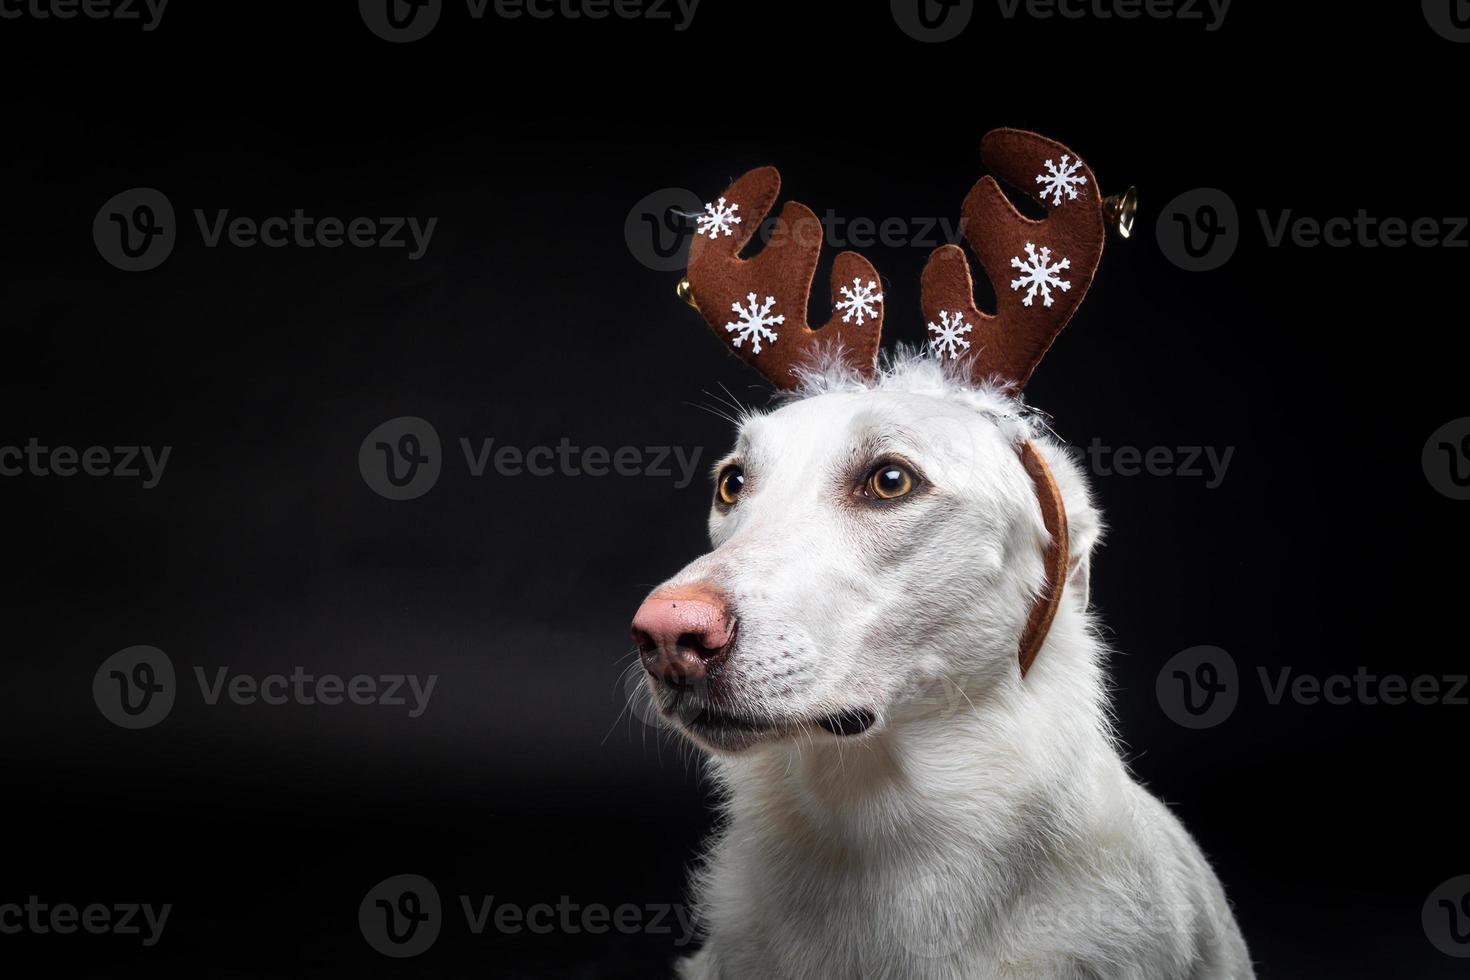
<point x="885" y="534"/>
<point x="876" y="551"/>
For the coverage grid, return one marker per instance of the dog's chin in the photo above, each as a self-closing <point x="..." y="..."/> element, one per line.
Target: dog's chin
<point x="731" y="734"/>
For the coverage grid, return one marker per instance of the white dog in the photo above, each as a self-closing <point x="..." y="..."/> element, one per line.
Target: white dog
<point x="899" y="801"/>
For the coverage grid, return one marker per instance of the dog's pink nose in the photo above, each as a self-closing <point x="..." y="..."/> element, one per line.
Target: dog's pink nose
<point x="682" y="633"/>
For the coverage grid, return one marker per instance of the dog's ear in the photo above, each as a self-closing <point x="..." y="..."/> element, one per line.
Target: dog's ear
<point x="1079" y="578"/>
<point x="1085" y="530"/>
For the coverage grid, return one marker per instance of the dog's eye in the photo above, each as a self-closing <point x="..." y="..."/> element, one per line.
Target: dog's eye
<point x="729" y="485"/>
<point x="889" y="481"/>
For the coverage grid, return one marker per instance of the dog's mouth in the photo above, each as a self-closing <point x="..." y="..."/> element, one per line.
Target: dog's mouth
<point x="704" y="712"/>
<point x="708" y="719"/>
<point x="728" y="729"/>
<point x="853" y="721"/>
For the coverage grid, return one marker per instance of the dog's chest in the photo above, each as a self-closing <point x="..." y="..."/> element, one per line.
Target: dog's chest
<point x="784" y="911"/>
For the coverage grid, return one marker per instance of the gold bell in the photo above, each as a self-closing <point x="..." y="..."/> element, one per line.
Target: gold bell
<point x="686" y="293"/>
<point x="1119" y="210"/>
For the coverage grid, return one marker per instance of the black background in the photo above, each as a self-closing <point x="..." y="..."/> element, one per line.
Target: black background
<point x="1324" y="549"/>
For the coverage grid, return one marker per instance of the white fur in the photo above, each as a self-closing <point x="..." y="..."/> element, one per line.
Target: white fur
<point x="985" y="825"/>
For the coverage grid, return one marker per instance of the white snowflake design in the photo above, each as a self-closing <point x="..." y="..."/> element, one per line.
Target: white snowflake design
<point x="718" y="217"/>
<point x="754" y="323"/>
<point x="950" y="340"/>
<point x="861" y="301"/>
<point x="1061" y="180"/>
<point x="1039" y="273"/>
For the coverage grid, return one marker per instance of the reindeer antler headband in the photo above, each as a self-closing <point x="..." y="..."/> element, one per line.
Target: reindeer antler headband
<point x="1040" y="271"/>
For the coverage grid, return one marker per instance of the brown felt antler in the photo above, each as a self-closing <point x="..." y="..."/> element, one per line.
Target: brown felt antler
<point x="1040" y="269"/>
<point x="758" y="306"/>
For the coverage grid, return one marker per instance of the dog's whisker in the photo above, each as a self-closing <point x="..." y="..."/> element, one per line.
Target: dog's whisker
<point x="716" y="412"/>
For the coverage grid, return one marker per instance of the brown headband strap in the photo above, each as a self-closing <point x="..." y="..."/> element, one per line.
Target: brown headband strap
<point x="1054" y="516"/>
